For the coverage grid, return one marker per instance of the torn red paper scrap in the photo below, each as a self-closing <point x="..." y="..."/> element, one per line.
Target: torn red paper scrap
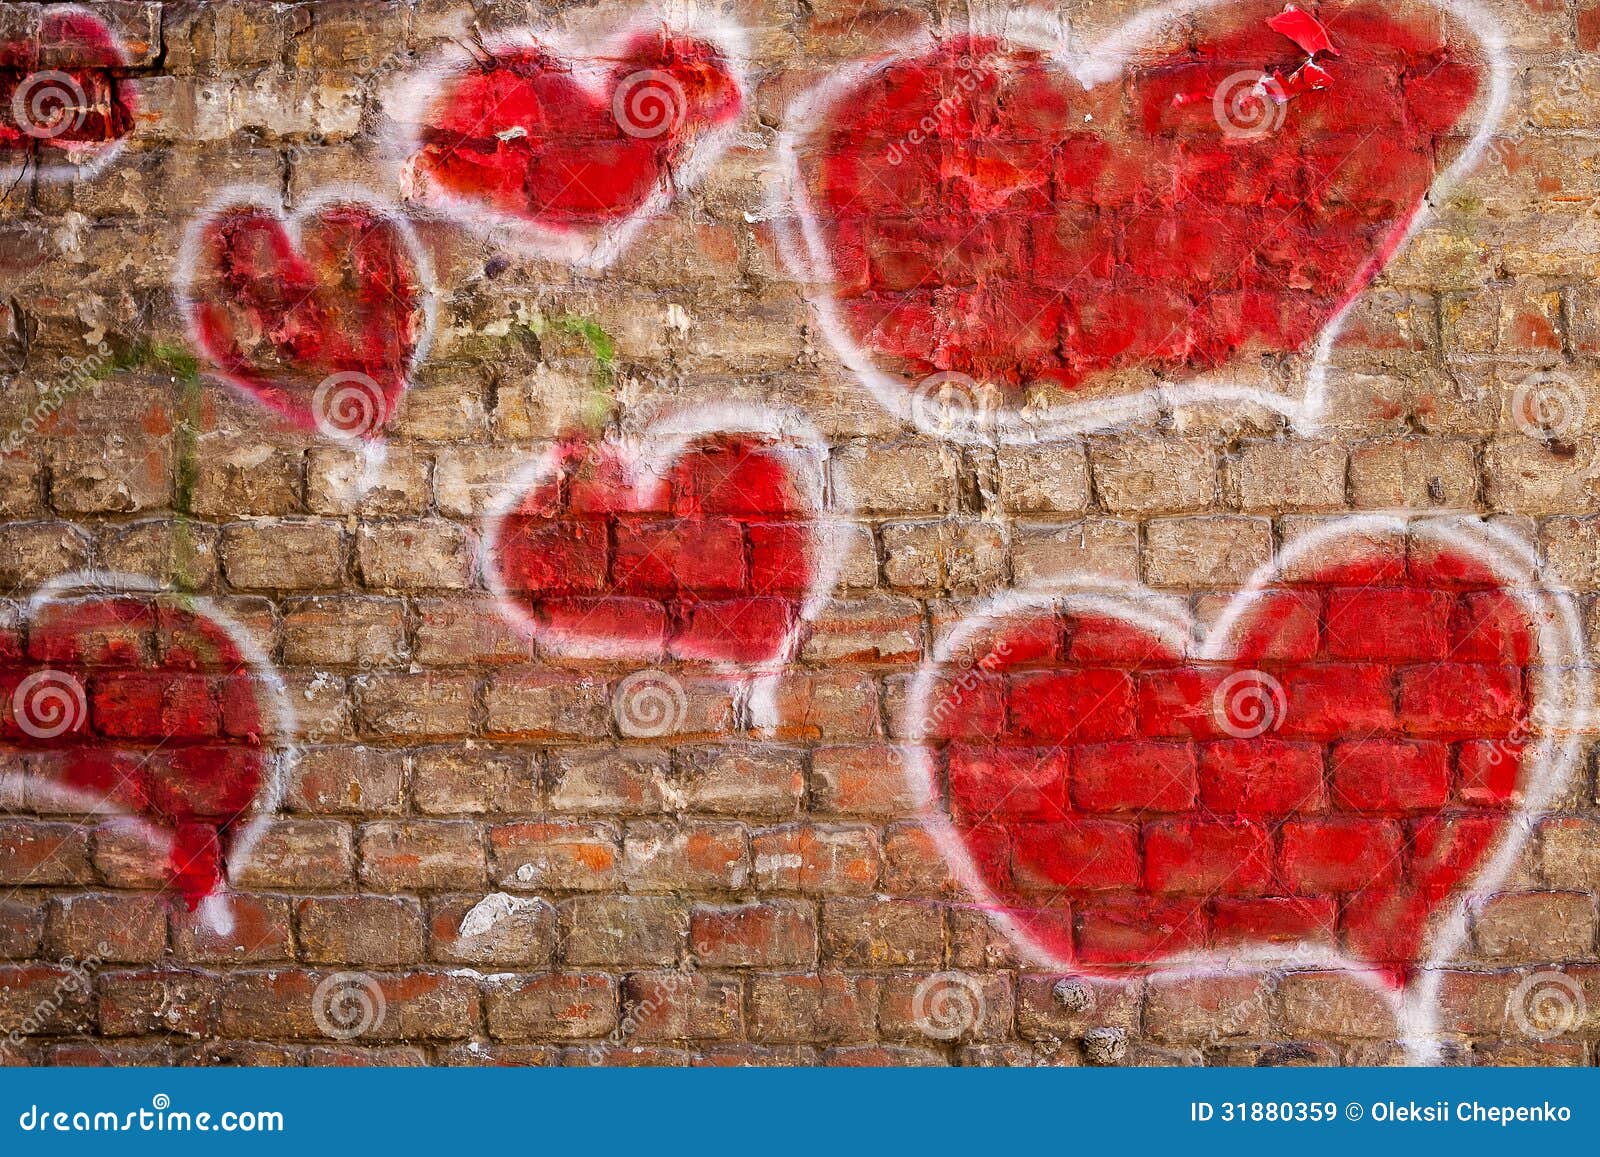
<point x="1304" y="29"/>
<point x="1310" y="78"/>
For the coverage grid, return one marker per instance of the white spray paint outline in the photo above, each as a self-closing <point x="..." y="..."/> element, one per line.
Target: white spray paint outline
<point x="592" y="59"/>
<point x="374" y="450"/>
<point x="652" y="454"/>
<point x="1563" y="693"/>
<point x="807" y="252"/>
<point x="98" y="155"/>
<point x="89" y="586"/>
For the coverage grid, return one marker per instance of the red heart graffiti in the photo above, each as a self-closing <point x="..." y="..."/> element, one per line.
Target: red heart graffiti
<point x="563" y="150"/>
<point x="701" y="550"/>
<point x="321" y="318"/>
<point x="1335" y="778"/>
<point x="985" y="214"/>
<point x="64" y="101"/>
<point x="144" y="707"/>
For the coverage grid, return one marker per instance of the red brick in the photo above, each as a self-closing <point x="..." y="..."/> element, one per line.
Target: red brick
<point x="560" y="1006"/>
<point x="1335" y="700"/>
<point x="428" y="855"/>
<point x="572" y="856"/>
<point x="1083" y="706"/>
<point x="828" y="1007"/>
<point x="35" y="853"/>
<point x="1461" y="700"/>
<point x="1261" y="777"/>
<point x="772" y="933"/>
<point x="1388" y="776"/>
<point x="1388" y="623"/>
<point x="1207" y="857"/>
<point x="1120" y="931"/>
<point x="1085" y="855"/>
<point x="1138" y="776"/>
<point x="819" y="859"/>
<point x="1019" y="783"/>
<point x="1339" y="855"/>
<point x="113" y="926"/>
<point x="360" y="930"/>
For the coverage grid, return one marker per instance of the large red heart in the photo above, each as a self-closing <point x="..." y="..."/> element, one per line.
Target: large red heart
<point x="65" y="106"/>
<point x="968" y="207"/>
<point x="1331" y="766"/>
<point x="568" y="150"/>
<point x="153" y="706"/>
<point x="691" y="543"/>
<point x="321" y="317"/>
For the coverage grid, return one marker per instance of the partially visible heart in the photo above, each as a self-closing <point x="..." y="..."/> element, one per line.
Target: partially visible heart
<point x="1331" y="767"/>
<point x="321" y="317"/>
<point x="969" y="207"/>
<point x="569" y="150"/>
<point x="151" y="706"/>
<point x="699" y="544"/>
<point x="65" y="105"/>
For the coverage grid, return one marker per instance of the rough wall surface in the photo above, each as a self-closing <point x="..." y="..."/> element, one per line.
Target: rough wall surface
<point x="499" y="574"/>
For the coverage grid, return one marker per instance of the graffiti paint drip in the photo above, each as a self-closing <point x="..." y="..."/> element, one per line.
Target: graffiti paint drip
<point x="139" y="706"/>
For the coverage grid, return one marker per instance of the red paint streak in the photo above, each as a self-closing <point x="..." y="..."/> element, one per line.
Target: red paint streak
<point x="709" y="562"/>
<point x="995" y="219"/>
<point x="172" y="729"/>
<point x="524" y="135"/>
<point x="1120" y="818"/>
<point x="76" y="56"/>
<point x="280" y="318"/>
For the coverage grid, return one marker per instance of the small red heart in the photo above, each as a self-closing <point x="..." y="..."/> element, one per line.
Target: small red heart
<point x="65" y="105"/>
<point x="321" y="317"/>
<point x="1330" y="769"/>
<point x="144" y="706"/>
<point x="971" y="208"/>
<point x="700" y="548"/>
<point x="570" y="152"/>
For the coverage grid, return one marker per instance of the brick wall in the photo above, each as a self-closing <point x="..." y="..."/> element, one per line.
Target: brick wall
<point x="470" y="855"/>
